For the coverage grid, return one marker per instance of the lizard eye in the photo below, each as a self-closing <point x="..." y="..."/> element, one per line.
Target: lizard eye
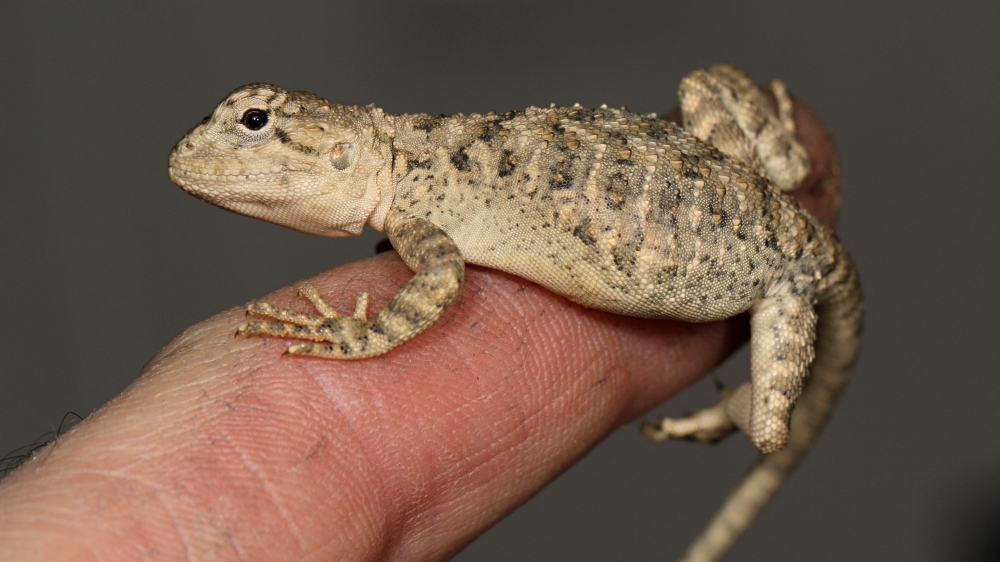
<point x="342" y="155"/>
<point x="254" y="119"/>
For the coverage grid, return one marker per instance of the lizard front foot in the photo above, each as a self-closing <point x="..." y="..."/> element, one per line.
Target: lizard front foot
<point x="340" y="337"/>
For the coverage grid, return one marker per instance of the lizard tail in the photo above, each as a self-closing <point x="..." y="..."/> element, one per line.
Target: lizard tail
<point x="840" y="315"/>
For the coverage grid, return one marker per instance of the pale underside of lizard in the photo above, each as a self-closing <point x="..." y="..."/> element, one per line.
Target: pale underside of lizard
<point x="617" y="211"/>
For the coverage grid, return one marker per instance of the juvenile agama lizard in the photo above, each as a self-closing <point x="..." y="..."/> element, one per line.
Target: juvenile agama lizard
<point x="614" y="210"/>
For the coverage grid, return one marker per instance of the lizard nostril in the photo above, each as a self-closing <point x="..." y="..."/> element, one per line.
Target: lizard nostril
<point x="184" y="148"/>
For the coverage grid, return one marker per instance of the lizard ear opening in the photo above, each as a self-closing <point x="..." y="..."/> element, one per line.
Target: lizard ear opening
<point x="342" y="155"/>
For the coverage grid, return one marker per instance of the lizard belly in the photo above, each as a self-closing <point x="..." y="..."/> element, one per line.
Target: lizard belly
<point x="629" y="282"/>
<point x="649" y="260"/>
<point x="653" y="267"/>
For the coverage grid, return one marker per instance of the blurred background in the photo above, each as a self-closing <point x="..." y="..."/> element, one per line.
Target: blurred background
<point x="103" y="260"/>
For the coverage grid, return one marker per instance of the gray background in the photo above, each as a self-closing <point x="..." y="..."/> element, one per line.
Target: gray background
<point x="103" y="261"/>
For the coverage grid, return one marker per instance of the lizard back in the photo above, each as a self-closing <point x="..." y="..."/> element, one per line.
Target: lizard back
<point x="615" y="210"/>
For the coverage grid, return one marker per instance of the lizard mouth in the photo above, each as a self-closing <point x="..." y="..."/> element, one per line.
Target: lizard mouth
<point x="183" y="176"/>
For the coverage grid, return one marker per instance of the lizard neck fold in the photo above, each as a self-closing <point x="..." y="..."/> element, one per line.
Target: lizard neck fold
<point x="382" y="185"/>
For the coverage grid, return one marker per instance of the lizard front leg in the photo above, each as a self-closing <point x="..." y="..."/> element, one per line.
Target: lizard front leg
<point x="440" y="273"/>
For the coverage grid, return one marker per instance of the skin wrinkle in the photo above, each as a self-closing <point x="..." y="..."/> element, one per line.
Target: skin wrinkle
<point x="385" y="498"/>
<point x="382" y="495"/>
<point x="486" y="451"/>
<point x="409" y="511"/>
<point x="610" y="327"/>
<point x="483" y="453"/>
<point x="586" y="416"/>
<point x="507" y="388"/>
<point x="369" y="508"/>
<point x="476" y="481"/>
<point x="195" y="539"/>
<point x="460" y="413"/>
<point x="184" y="540"/>
<point x="555" y="348"/>
<point x="235" y="544"/>
<point x="496" y="340"/>
<point x="538" y="354"/>
<point x="268" y="488"/>
<point x="306" y="373"/>
<point x="547" y="346"/>
<point x="523" y="441"/>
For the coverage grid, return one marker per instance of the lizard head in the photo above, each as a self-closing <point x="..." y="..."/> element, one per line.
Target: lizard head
<point x="290" y="158"/>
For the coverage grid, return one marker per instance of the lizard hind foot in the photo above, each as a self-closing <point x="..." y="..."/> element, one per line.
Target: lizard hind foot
<point x="709" y="425"/>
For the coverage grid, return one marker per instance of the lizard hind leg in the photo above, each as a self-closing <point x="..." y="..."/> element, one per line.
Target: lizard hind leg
<point x="782" y="338"/>
<point x="783" y="329"/>
<point x="722" y="106"/>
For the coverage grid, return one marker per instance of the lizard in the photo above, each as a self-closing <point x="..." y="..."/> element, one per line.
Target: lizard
<point x="614" y="210"/>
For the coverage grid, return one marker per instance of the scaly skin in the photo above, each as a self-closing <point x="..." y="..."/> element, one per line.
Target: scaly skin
<point x="617" y="211"/>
